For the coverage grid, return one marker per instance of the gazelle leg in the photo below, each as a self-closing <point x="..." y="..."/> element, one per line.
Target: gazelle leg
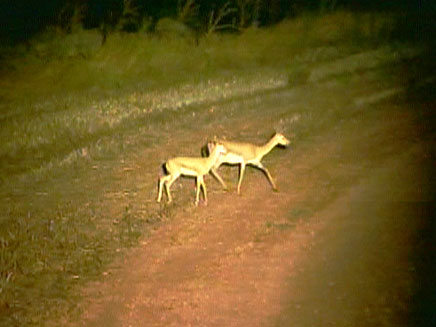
<point x="218" y="178"/>
<point x="167" y="190"/>
<point x="241" y="175"/>
<point x="268" y="175"/>
<point x="168" y="183"/>
<point x="159" y="192"/>
<point x="197" y="194"/>
<point x="162" y="183"/>
<point x="204" y="189"/>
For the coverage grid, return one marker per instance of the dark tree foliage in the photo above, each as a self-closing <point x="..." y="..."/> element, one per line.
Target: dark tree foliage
<point x="20" y="19"/>
<point x="156" y="9"/>
<point x="102" y="12"/>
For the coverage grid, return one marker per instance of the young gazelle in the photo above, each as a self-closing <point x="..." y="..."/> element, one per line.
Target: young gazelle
<point x="195" y="167"/>
<point x="246" y="154"/>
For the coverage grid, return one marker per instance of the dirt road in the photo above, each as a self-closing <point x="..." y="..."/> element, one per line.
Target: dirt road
<point x="243" y="262"/>
<point x="346" y="242"/>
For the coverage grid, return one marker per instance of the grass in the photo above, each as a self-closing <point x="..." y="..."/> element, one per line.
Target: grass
<point x="72" y="113"/>
<point x="67" y="64"/>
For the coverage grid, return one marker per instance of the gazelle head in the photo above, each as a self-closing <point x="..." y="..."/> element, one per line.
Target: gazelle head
<point x="281" y="139"/>
<point x="216" y="147"/>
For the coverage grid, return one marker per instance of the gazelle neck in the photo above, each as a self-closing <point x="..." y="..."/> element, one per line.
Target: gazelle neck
<point x="266" y="148"/>
<point x="213" y="156"/>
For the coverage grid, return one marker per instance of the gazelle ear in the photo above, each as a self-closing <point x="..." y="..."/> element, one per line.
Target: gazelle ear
<point x="215" y="138"/>
<point x="210" y="146"/>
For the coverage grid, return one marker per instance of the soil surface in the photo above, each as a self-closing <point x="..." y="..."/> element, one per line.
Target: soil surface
<point x="357" y="257"/>
<point x="239" y="262"/>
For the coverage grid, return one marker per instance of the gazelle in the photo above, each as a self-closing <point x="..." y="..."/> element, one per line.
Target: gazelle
<point x="246" y="154"/>
<point x="188" y="166"/>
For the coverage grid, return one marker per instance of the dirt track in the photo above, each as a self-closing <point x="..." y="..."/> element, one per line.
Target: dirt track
<point x="222" y="266"/>
<point x="350" y="258"/>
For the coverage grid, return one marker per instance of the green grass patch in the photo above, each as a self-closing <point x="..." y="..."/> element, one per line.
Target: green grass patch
<point x="58" y="64"/>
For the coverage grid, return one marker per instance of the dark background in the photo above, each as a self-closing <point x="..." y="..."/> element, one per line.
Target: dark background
<point x="21" y="19"/>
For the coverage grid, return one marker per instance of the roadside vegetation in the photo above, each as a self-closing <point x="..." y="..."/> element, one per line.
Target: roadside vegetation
<point x="73" y="111"/>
